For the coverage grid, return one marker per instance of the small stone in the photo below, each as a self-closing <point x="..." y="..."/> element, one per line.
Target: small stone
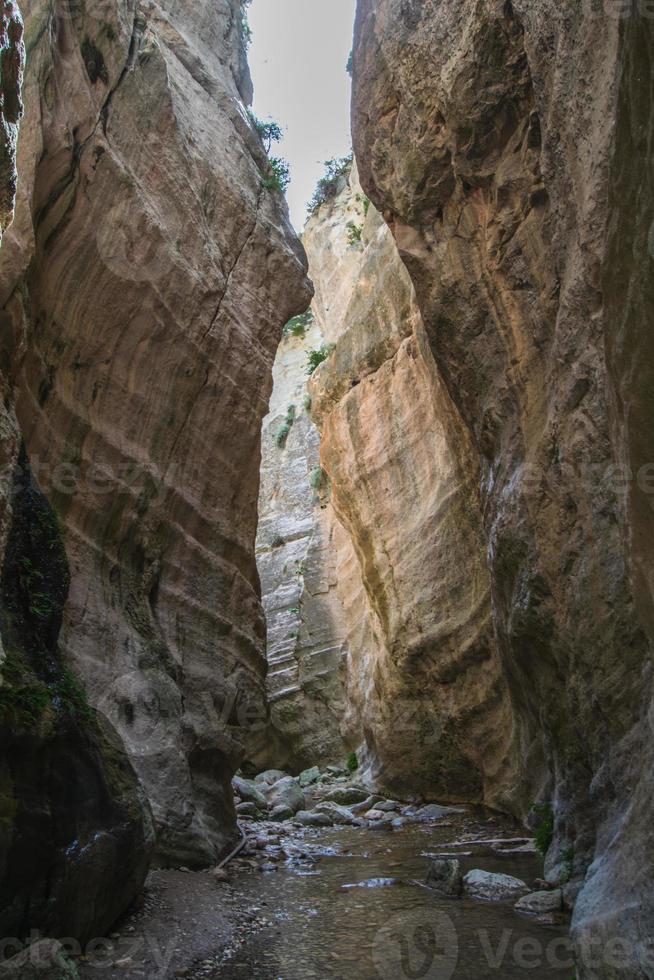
<point x="338" y="814"/>
<point x="444" y="876"/>
<point x="268" y="866"/>
<point x="387" y="806"/>
<point x="346" y="795"/>
<point x="540" y="903"/>
<point x="219" y="874"/>
<point x="374" y="815"/>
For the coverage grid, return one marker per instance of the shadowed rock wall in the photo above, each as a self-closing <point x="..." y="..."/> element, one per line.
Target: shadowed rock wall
<point x="501" y="140"/>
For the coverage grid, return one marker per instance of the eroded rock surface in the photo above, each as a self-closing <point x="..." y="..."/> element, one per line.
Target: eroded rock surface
<point x="144" y="285"/>
<point x="500" y="141"/>
<point x="296" y="555"/>
<point x="428" y="707"/>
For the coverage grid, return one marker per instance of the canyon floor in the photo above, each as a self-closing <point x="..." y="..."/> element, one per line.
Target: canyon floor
<point x="342" y="901"/>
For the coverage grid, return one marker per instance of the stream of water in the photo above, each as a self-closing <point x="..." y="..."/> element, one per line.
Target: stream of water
<point x="357" y="907"/>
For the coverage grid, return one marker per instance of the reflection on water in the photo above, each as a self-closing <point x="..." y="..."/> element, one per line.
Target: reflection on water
<point x="391" y="926"/>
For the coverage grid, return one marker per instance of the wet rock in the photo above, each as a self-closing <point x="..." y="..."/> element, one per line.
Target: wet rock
<point x="309" y="777"/>
<point x="346" y="795"/>
<point x="281" y="812"/>
<point x="286" y="792"/>
<point x="540" y="903"/>
<point x="270" y="776"/>
<point x="374" y="815"/>
<point x="432" y="811"/>
<point x="249" y="792"/>
<point x="338" y="814"/>
<point x="387" y="806"/>
<point x="490" y="887"/>
<point x="368" y="804"/>
<point x="248" y="810"/>
<point x="44" y="960"/>
<point x="311" y="818"/>
<point x="445" y="877"/>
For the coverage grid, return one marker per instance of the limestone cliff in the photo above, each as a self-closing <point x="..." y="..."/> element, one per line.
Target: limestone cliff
<point x="296" y="555"/>
<point x="144" y="284"/>
<point x="428" y="708"/>
<point x="501" y="140"/>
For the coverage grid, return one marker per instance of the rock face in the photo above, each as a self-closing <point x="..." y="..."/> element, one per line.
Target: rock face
<point x="12" y="60"/>
<point x="143" y="285"/>
<point x="296" y="555"/>
<point x="76" y="835"/>
<point x="501" y="140"/>
<point x="426" y="698"/>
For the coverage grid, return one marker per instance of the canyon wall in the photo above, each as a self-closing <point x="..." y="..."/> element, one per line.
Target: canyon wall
<point x="428" y="709"/>
<point x="501" y="140"/>
<point x="296" y="555"/>
<point x="75" y="831"/>
<point x="143" y="286"/>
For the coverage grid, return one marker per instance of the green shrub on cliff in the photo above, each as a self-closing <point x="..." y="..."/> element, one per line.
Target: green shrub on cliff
<point x="278" y="175"/>
<point x="352" y="762"/>
<point x="328" y="185"/>
<point x="284" y="432"/>
<point x="545" y="827"/>
<point x="316" y="357"/>
<point x="298" y="325"/>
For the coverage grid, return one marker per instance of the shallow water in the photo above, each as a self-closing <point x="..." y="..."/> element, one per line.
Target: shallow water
<point x="360" y="909"/>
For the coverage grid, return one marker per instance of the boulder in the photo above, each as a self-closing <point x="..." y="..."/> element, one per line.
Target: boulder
<point x="432" y="811"/>
<point x="44" y="960"/>
<point x="310" y="818"/>
<point x="444" y="876"/>
<point x="338" y="814"/>
<point x="368" y="804"/>
<point x="309" y="777"/>
<point x="490" y="887"/>
<point x="270" y="776"/>
<point x="249" y="792"/>
<point x="346" y="795"/>
<point x="540" y="903"/>
<point x="281" y="812"/>
<point x="387" y="806"/>
<point x="286" y="792"/>
<point x="248" y="810"/>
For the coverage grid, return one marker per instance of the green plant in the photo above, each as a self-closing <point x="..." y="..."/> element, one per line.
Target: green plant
<point x="297" y="326"/>
<point x="545" y="827"/>
<point x="306" y="402"/>
<point x="246" y="30"/>
<point x="316" y="357"/>
<point x="269" y="132"/>
<point x="284" y="431"/>
<point x="568" y="865"/>
<point x="318" y="478"/>
<point x="366" y="206"/>
<point x="354" y="234"/>
<point x="352" y="762"/>
<point x="72" y="696"/>
<point x="329" y="184"/>
<point x="278" y="175"/>
<point x="349" y="68"/>
<point x="277" y="541"/>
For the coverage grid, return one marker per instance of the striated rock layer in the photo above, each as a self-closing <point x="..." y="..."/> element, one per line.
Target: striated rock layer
<point x="501" y="140"/>
<point x="144" y="284"/>
<point x="426" y="696"/>
<point x="296" y="555"/>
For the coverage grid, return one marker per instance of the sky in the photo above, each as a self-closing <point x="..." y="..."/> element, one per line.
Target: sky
<point x="298" y="59"/>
